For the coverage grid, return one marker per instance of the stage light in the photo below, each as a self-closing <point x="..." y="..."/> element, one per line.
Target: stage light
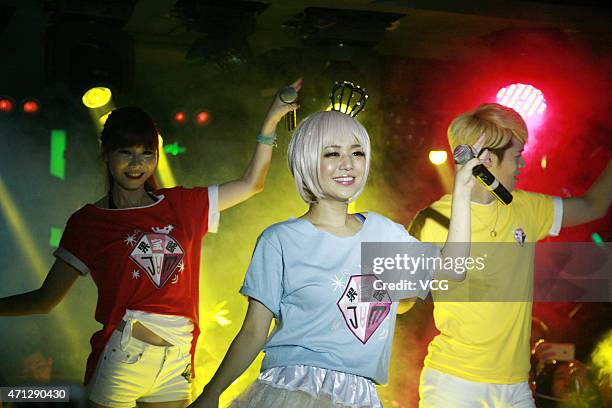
<point x="97" y="97"/>
<point x="527" y="100"/>
<point x="342" y="107"/>
<point x="6" y="105"/>
<point x="37" y="264"/>
<point x="601" y="356"/>
<point x="102" y="119"/>
<point x="164" y="172"/>
<point x="201" y="118"/>
<point x="174" y="149"/>
<point x="218" y="314"/>
<point x="438" y="157"/>
<point x="598" y="240"/>
<point x="57" y="163"/>
<point x="30" y="105"/>
<point x="180" y="117"/>
<point x="55" y="236"/>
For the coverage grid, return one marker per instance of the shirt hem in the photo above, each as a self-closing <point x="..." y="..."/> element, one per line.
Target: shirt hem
<point x="319" y="365"/>
<point x="474" y="378"/>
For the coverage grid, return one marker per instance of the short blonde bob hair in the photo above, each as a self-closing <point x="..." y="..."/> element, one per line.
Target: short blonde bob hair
<point x="499" y="124"/>
<point x="310" y="138"/>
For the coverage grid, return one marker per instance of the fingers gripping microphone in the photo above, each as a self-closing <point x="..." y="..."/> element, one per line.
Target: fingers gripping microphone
<point x="289" y="95"/>
<point x="463" y="154"/>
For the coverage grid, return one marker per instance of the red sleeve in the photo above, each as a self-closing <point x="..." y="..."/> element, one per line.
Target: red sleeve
<point x="199" y="205"/>
<point x="73" y="245"/>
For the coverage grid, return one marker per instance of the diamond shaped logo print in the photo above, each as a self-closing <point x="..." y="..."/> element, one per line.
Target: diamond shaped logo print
<point x="158" y="255"/>
<point x="363" y="307"/>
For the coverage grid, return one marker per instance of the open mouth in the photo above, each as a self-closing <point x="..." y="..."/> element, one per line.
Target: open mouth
<point x="345" y="180"/>
<point x="134" y="176"/>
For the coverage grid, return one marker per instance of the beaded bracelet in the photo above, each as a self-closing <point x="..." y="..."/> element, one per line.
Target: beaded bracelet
<point x="269" y="140"/>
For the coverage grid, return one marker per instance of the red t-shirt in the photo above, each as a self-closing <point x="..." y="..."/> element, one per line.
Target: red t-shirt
<point x="145" y="258"/>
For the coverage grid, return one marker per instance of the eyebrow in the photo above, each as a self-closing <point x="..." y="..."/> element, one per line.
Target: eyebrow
<point x="339" y="147"/>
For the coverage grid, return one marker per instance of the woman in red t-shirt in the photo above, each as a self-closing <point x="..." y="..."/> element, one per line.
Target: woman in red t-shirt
<point x="142" y="246"/>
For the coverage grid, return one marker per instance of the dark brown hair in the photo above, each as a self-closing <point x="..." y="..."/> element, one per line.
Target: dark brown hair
<point x="126" y="127"/>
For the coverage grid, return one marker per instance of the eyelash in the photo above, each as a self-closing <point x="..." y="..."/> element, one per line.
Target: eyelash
<point x="336" y="154"/>
<point x="128" y="152"/>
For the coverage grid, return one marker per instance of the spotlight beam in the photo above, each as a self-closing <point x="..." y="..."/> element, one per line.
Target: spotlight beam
<point x="32" y="256"/>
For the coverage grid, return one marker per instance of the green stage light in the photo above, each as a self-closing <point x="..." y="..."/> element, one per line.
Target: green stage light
<point x="174" y="149"/>
<point x="57" y="164"/>
<point x="55" y="235"/>
<point x="597" y="239"/>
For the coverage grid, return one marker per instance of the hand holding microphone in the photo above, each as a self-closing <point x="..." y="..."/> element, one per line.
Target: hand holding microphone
<point x="281" y="107"/>
<point x="464" y="153"/>
<point x="289" y="95"/>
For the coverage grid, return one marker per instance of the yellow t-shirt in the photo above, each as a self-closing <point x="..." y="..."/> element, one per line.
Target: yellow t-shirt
<point x="489" y="341"/>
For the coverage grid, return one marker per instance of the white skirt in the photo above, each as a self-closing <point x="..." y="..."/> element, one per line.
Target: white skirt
<point x="308" y="387"/>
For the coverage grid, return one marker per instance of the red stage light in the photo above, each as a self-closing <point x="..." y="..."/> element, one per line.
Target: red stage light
<point x="180" y="117"/>
<point x="525" y="99"/>
<point x="6" y="105"/>
<point x="30" y="106"/>
<point x="202" y="118"/>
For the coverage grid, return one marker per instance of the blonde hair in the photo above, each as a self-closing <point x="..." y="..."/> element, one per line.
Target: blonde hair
<point x="310" y="138"/>
<point x="499" y="124"/>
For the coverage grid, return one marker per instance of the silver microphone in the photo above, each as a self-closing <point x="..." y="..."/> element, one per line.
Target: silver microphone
<point x="289" y="95"/>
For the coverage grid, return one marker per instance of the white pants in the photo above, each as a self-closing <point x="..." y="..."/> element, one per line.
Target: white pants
<point x="439" y="390"/>
<point x="130" y="370"/>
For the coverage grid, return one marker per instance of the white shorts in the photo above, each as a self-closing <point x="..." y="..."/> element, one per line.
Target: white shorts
<point x="131" y="370"/>
<point x="440" y="390"/>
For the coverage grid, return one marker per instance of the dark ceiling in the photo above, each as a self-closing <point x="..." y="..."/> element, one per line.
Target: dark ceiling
<point x="440" y="29"/>
<point x="445" y="30"/>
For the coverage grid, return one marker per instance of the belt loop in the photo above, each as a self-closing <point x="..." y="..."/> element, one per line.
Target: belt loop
<point x="127" y="334"/>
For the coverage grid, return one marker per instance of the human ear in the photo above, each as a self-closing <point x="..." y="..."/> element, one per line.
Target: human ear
<point x="491" y="161"/>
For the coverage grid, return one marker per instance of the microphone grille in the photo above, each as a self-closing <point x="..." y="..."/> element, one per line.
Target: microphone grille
<point x="463" y="154"/>
<point x="288" y="94"/>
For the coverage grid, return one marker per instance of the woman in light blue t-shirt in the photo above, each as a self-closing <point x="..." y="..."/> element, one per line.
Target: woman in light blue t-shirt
<point x="332" y="337"/>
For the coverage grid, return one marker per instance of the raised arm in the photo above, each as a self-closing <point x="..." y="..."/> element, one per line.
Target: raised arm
<point x="459" y="231"/>
<point x="591" y="206"/>
<point x="246" y="346"/>
<point x="252" y="182"/>
<point x="58" y="282"/>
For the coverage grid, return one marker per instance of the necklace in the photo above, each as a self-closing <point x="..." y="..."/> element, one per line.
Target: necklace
<point x="493" y="231"/>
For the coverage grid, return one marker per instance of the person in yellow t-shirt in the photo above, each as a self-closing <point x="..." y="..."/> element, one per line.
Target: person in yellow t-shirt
<point x="481" y="356"/>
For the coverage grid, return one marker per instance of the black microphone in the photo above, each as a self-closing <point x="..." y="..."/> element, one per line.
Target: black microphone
<point x="289" y="95"/>
<point x="463" y="154"/>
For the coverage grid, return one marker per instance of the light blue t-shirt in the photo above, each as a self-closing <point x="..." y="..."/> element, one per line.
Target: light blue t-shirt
<point x="311" y="281"/>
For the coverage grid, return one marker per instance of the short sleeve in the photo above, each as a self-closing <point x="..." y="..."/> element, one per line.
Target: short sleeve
<point x="264" y="278"/>
<point x="546" y="214"/>
<point x="73" y="245"/>
<point x="213" y="208"/>
<point x="200" y="204"/>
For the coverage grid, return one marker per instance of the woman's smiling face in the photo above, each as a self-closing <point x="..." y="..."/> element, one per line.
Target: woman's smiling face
<point x="341" y="168"/>
<point x="132" y="166"/>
